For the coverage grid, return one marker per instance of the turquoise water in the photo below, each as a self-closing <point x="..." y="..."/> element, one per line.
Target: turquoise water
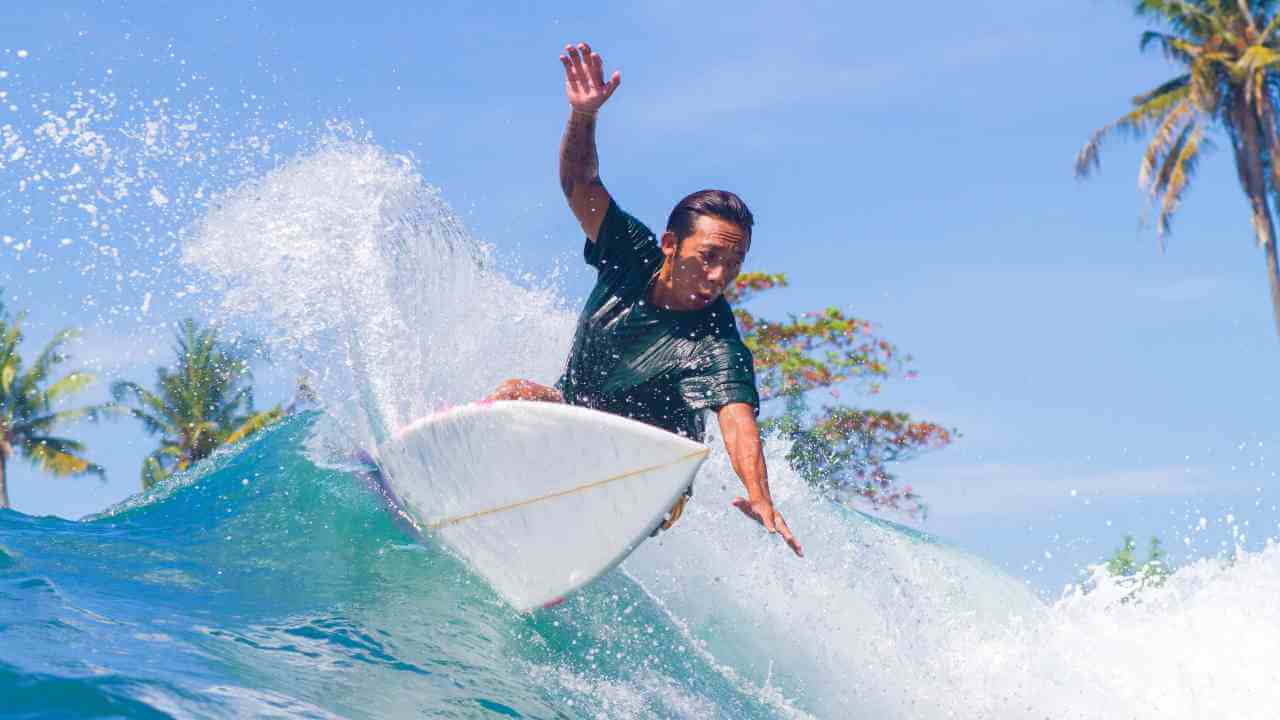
<point x="270" y="581"/>
<point x="265" y="585"/>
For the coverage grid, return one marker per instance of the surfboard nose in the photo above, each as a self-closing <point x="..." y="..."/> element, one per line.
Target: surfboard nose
<point x="539" y="498"/>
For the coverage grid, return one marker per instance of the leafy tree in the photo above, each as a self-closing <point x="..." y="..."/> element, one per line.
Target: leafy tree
<point x="1230" y="57"/>
<point x="28" y="397"/>
<point x="841" y="449"/>
<point x="1150" y="573"/>
<point x="203" y="401"/>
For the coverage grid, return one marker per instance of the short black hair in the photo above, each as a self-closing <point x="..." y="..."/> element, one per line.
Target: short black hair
<point x="716" y="203"/>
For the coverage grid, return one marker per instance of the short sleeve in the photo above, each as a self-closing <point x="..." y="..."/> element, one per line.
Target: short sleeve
<point x="623" y="242"/>
<point x="722" y="374"/>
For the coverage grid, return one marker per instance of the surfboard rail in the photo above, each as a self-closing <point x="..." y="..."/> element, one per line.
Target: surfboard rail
<point x="538" y="498"/>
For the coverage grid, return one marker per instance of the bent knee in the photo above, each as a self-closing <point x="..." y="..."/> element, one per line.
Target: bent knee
<point x="518" y="389"/>
<point x="507" y="390"/>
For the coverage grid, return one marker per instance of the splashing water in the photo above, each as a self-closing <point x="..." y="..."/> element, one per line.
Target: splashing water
<point x="365" y="277"/>
<point x="365" y="273"/>
<point x="356" y="271"/>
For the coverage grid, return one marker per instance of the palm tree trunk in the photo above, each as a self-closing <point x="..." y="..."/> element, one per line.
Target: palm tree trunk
<point x="4" y="488"/>
<point x="1273" y="278"/>
<point x="1252" y="149"/>
<point x="1271" y="136"/>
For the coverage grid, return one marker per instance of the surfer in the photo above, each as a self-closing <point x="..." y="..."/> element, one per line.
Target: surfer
<point x="657" y="341"/>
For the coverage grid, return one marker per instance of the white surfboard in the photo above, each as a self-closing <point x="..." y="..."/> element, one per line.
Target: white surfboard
<point x="539" y="498"/>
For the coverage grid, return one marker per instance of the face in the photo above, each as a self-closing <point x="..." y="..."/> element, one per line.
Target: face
<point x="705" y="262"/>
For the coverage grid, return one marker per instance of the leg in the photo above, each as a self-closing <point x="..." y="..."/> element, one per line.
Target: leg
<point x="525" y="390"/>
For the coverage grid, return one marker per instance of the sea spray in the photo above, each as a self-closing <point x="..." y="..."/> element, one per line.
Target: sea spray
<point x="360" y="269"/>
<point x="359" y="272"/>
<point x="260" y="583"/>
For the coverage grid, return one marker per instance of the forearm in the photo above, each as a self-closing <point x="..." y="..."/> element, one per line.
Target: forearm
<point x="579" y="165"/>
<point x="748" y="462"/>
<point x="746" y="453"/>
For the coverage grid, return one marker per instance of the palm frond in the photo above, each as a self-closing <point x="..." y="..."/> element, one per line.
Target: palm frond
<point x="12" y="336"/>
<point x="1184" y="168"/>
<point x="59" y="456"/>
<point x="198" y="401"/>
<point x="1173" y="47"/>
<point x="1244" y="12"/>
<point x="45" y="423"/>
<point x="153" y="472"/>
<point x="255" y="423"/>
<point x="73" y="383"/>
<point x="1156" y="189"/>
<point x="1151" y="108"/>
<point x="150" y="423"/>
<point x="51" y="356"/>
<point x="1163" y="137"/>
<point x="1183" y="16"/>
<point x="1205" y="81"/>
<point x="8" y="372"/>
<point x="122" y="389"/>
<point x="1269" y="30"/>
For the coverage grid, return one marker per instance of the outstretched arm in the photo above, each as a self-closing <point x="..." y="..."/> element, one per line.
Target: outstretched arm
<point x="742" y="440"/>
<point x="579" y="166"/>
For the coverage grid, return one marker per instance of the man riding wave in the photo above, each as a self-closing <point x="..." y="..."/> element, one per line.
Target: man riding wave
<point x="657" y="341"/>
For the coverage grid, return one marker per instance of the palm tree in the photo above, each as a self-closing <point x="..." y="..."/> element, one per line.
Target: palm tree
<point x="1230" y="56"/>
<point x="205" y="400"/>
<point x="27" y="400"/>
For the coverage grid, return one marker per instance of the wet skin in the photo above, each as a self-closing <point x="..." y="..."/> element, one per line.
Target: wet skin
<point x="697" y="269"/>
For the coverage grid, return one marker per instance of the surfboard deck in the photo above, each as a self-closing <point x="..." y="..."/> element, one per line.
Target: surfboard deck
<point x="538" y="498"/>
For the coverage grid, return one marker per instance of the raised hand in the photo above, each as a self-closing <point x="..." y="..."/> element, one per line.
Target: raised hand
<point x="584" y="82"/>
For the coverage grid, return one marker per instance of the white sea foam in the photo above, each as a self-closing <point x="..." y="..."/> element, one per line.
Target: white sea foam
<point x="365" y="278"/>
<point x="370" y="282"/>
<point x="875" y="623"/>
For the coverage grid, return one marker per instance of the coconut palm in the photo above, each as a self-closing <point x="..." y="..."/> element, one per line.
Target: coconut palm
<point x="1230" y="57"/>
<point x="28" y="396"/>
<point x="205" y="400"/>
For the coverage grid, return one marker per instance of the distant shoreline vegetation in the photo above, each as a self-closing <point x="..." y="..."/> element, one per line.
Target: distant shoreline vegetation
<point x="204" y="399"/>
<point x="30" y="399"/>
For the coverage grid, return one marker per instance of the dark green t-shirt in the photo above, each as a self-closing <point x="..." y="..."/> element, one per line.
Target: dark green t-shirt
<point x="635" y="359"/>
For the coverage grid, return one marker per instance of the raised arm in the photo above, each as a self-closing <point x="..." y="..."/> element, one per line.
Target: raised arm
<point x="579" y="167"/>
<point x="746" y="453"/>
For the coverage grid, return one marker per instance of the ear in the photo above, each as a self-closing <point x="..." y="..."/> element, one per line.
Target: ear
<point x="669" y="244"/>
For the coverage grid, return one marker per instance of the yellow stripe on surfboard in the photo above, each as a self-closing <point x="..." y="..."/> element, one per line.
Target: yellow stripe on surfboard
<point x="700" y="453"/>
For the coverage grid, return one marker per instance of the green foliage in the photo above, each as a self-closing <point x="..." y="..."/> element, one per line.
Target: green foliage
<point x="1151" y="572"/>
<point x="203" y="401"/>
<point x="29" y="397"/>
<point x="1228" y="61"/>
<point x="845" y="451"/>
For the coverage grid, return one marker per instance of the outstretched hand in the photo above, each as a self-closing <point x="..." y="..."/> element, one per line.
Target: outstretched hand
<point x="584" y="82"/>
<point x="763" y="512"/>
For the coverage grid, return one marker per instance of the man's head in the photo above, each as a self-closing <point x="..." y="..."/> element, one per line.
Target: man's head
<point x="707" y="238"/>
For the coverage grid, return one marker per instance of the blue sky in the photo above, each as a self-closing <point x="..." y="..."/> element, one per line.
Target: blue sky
<point x="912" y="164"/>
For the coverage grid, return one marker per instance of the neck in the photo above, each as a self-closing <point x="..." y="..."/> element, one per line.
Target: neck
<point x="662" y="292"/>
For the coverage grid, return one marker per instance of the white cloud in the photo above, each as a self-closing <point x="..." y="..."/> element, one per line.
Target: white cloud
<point x="1010" y="488"/>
